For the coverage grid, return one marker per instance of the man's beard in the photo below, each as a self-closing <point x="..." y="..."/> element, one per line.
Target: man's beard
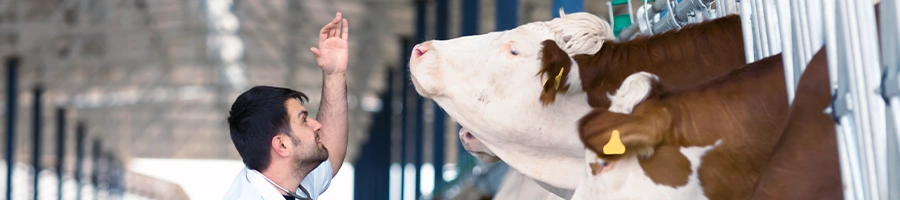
<point x="309" y="158"/>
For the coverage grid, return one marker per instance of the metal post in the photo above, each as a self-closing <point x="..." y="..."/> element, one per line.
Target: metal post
<point x="761" y="29"/>
<point x="507" y="14"/>
<point x="96" y="148"/>
<point x="791" y="75"/>
<point x="12" y="65"/>
<point x="568" y="6"/>
<point x="870" y="69"/>
<point x="36" y="159"/>
<point x="410" y="101"/>
<point x="398" y="92"/>
<point x="748" y="30"/>
<point x="80" y="133"/>
<point x="418" y="133"/>
<point x="754" y="18"/>
<point x="847" y="153"/>
<point x="804" y="53"/>
<point x="773" y="27"/>
<point x="439" y="127"/>
<point x="60" y="149"/>
<point x="862" y="111"/>
<point x="890" y="50"/>
<point x="469" y="26"/>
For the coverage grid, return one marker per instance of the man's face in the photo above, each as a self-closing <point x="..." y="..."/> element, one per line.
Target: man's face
<point x="308" y="148"/>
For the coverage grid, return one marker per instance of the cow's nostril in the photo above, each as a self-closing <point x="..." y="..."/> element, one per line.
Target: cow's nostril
<point x="420" y="49"/>
<point x="469" y="136"/>
<point x="419" y="53"/>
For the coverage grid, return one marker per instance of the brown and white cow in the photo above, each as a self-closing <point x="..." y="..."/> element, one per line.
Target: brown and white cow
<point x="804" y="163"/>
<point x="703" y="142"/>
<point x="491" y="83"/>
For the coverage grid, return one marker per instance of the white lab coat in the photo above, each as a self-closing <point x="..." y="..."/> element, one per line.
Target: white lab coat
<point x="251" y="185"/>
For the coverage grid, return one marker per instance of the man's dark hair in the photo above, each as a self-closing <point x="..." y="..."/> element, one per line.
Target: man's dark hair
<point x="256" y="117"/>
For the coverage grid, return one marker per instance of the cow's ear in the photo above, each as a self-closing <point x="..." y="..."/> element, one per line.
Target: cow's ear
<point x="640" y="133"/>
<point x="556" y="65"/>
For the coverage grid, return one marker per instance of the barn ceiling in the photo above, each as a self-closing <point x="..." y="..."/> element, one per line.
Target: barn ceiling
<point x="155" y="78"/>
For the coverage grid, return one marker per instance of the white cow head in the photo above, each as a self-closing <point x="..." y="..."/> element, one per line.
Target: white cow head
<point x="490" y="84"/>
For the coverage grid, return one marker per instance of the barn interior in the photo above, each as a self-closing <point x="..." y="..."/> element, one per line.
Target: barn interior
<point x="128" y="99"/>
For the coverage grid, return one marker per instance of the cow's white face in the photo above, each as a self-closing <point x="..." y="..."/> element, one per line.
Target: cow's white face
<point x="479" y="67"/>
<point x="490" y="84"/>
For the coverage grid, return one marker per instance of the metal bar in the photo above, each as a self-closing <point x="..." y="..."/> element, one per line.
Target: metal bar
<point x="439" y="127"/>
<point x="773" y="27"/>
<point x="757" y="31"/>
<point x="747" y="29"/>
<point x="859" y="136"/>
<point x="418" y="132"/>
<point x="60" y="149"/>
<point x="799" y="35"/>
<point x="870" y="80"/>
<point x="856" y="171"/>
<point x="894" y="151"/>
<point x="859" y="87"/>
<point x="846" y="172"/>
<point x="630" y="12"/>
<point x="408" y="123"/>
<point x="80" y="133"/>
<point x="849" y="157"/>
<point x="12" y="65"/>
<point x="96" y="147"/>
<point x="37" y="117"/>
<point x="890" y="49"/>
<point x="805" y="54"/>
<point x="763" y="28"/>
<point x="507" y="14"/>
<point x="470" y="23"/>
<point x="787" y="52"/>
<point x="569" y="6"/>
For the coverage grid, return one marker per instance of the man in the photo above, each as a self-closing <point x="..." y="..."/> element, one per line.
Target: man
<point x="278" y="141"/>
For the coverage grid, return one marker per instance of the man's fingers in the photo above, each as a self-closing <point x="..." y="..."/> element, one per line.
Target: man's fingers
<point x="328" y="30"/>
<point x="315" y="51"/>
<point x="323" y="34"/>
<point x="336" y="25"/>
<point x="333" y="32"/>
<point x="346" y="30"/>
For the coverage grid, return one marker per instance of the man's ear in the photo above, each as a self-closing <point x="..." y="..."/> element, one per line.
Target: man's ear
<point x="640" y="132"/>
<point x="556" y="65"/>
<point x="281" y="145"/>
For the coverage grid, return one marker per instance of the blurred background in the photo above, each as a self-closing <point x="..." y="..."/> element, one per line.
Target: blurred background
<point x="127" y="99"/>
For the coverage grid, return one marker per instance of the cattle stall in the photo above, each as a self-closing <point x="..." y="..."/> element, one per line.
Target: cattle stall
<point x="864" y="79"/>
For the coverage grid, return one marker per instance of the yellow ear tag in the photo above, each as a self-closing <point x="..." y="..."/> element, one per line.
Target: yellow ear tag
<point x="614" y="146"/>
<point x="557" y="78"/>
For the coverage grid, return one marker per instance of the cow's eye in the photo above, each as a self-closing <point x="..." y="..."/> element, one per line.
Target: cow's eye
<point x="513" y="50"/>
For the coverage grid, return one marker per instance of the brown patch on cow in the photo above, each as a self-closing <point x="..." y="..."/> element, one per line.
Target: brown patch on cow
<point x="684" y="58"/>
<point x="743" y="110"/>
<point x="805" y="164"/>
<point x="554" y="61"/>
<point x="667" y="166"/>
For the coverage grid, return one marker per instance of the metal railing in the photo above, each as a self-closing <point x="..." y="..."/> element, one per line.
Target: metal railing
<point x="864" y="78"/>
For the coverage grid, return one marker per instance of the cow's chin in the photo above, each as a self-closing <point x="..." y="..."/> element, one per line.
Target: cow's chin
<point x="423" y="82"/>
<point x="485" y="157"/>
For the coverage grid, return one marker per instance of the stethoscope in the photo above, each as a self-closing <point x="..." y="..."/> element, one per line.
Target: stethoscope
<point x="294" y="194"/>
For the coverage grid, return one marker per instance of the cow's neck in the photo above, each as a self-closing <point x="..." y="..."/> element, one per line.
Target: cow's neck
<point x="693" y="55"/>
<point x="553" y="155"/>
<point x="744" y="111"/>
